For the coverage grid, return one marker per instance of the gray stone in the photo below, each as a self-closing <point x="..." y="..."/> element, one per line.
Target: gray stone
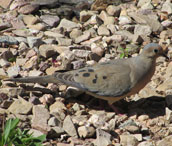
<point x="86" y="131"/>
<point x="40" y="118"/>
<point x="69" y="127"/>
<point x="123" y="20"/>
<point x="147" y="6"/>
<point x="127" y="140"/>
<point x="27" y="9"/>
<point x="50" y="20"/>
<point x="47" y="50"/>
<point x="113" y="10"/>
<point x="2" y="72"/>
<point x="166" y="85"/>
<point x="9" y="40"/>
<point x="20" y="106"/>
<point x="50" y="41"/>
<point x="143" y="2"/>
<point x="75" y="33"/>
<point x="168" y="113"/>
<point x="81" y="53"/>
<point x="64" y="41"/>
<point x="12" y="92"/>
<point x="146" y="143"/>
<point x="35" y="133"/>
<point x="103" y="31"/>
<point x="7" y="55"/>
<point x="30" y="19"/>
<point x="53" y="121"/>
<point x="142" y="30"/>
<point x="165" y="141"/>
<point x="55" y="132"/>
<point x="53" y="34"/>
<point x="82" y="38"/>
<point x="77" y="64"/>
<point x="13" y="71"/>
<point x="67" y="24"/>
<point x="102" y="138"/>
<point x="34" y="41"/>
<point x="167" y="7"/>
<point x="85" y="15"/>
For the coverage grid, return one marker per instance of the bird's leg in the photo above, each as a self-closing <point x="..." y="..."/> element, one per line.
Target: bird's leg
<point x="115" y="109"/>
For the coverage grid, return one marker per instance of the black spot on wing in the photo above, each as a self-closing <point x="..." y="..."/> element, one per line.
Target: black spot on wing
<point x="82" y="70"/>
<point x="86" y="74"/>
<point x="104" y="77"/>
<point x="90" y="70"/>
<point x="94" y="81"/>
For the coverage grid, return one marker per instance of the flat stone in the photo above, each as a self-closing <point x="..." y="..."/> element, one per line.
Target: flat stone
<point x="82" y="38"/>
<point x="13" y="71"/>
<point x="5" y="3"/>
<point x="8" y="40"/>
<point x="81" y="53"/>
<point x="53" y="34"/>
<point x="30" y="19"/>
<point x="38" y="26"/>
<point x="56" y="132"/>
<point x="40" y="118"/>
<point x="85" y="15"/>
<point x="47" y="50"/>
<point x="123" y="20"/>
<point x="12" y="92"/>
<point x="166" y="85"/>
<point x="103" y="31"/>
<point x="146" y="143"/>
<point x="64" y="41"/>
<point x="142" y="30"/>
<point x="167" y="7"/>
<point x="113" y="10"/>
<point x="102" y="138"/>
<point x="20" y="106"/>
<point x="50" y="20"/>
<point x="86" y="132"/>
<point x="69" y="127"/>
<point x="53" y="121"/>
<point x="34" y="41"/>
<point x="35" y="132"/>
<point x="27" y="9"/>
<point x="142" y="2"/>
<point x="128" y="140"/>
<point x="75" y="33"/>
<point x="165" y="141"/>
<point x="31" y="62"/>
<point x="67" y="24"/>
<point x="18" y="24"/>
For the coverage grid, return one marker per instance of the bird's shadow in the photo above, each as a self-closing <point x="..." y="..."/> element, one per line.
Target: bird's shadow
<point x="152" y="106"/>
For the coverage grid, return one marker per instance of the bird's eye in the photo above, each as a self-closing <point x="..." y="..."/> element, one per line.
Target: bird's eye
<point x="156" y="50"/>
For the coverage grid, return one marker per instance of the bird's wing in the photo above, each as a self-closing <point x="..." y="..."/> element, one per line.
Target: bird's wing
<point x="107" y="79"/>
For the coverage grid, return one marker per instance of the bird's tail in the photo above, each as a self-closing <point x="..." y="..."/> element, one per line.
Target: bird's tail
<point x="35" y="79"/>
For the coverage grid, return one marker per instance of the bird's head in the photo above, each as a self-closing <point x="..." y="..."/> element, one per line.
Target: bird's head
<point x="153" y="50"/>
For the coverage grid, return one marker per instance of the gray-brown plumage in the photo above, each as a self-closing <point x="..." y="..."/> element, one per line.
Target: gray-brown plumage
<point x="112" y="80"/>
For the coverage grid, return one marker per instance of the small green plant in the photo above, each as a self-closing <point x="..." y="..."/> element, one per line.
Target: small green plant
<point x="13" y="136"/>
<point x="13" y="59"/>
<point x="124" y="52"/>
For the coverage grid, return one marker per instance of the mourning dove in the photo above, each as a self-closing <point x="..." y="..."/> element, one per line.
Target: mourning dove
<point x="112" y="80"/>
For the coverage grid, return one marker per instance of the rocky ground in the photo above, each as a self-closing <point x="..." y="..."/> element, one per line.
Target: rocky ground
<point x="39" y="37"/>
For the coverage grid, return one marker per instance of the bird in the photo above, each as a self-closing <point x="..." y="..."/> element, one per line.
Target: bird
<point x="112" y="80"/>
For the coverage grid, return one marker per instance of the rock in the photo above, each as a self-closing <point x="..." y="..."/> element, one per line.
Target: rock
<point x="128" y="140"/>
<point x="34" y="41"/>
<point x="102" y="138"/>
<point x="53" y="34"/>
<point x="113" y="10"/>
<point x="52" y="21"/>
<point x="81" y="53"/>
<point x="77" y="64"/>
<point x="97" y="50"/>
<point x="20" y="106"/>
<point x="2" y="72"/>
<point x="148" y="6"/>
<point x="57" y="106"/>
<point x="46" y="99"/>
<point x="103" y="31"/>
<point x="9" y="40"/>
<point x="27" y="9"/>
<point x="85" y="15"/>
<point x="34" y="100"/>
<point x="138" y="137"/>
<point x="53" y="121"/>
<point x="146" y="143"/>
<point x="35" y="133"/>
<point x="12" y="92"/>
<point x="55" y="132"/>
<point x="7" y="55"/>
<point x="143" y="2"/>
<point x="31" y="62"/>
<point x="125" y="34"/>
<point x="86" y="131"/>
<point x="4" y="26"/>
<point x="167" y="7"/>
<point x="64" y="41"/>
<point x="143" y="117"/>
<point x="37" y="27"/>
<point x="18" y="24"/>
<point x="132" y="128"/>
<point x="13" y="71"/>
<point x="137" y="39"/>
<point x="4" y="63"/>
<point x="166" y="23"/>
<point x="67" y="24"/>
<point x="166" y="85"/>
<point x="47" y="50"/>
<point x="168" y="114"/>
<point x="75" y="33"/>
<point x="5" y="3"/>
<point x="165" y="141"/>
<point x="106" y="19"/>
<point x="92" y="40"/>
<point x="142" y="30"/>
<point x="69" y="127"/>
<point x="82" y="38"/>
<point x="40" y="118"/>
<point x="30" y="19"/>
<point x="123" y="20"/>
